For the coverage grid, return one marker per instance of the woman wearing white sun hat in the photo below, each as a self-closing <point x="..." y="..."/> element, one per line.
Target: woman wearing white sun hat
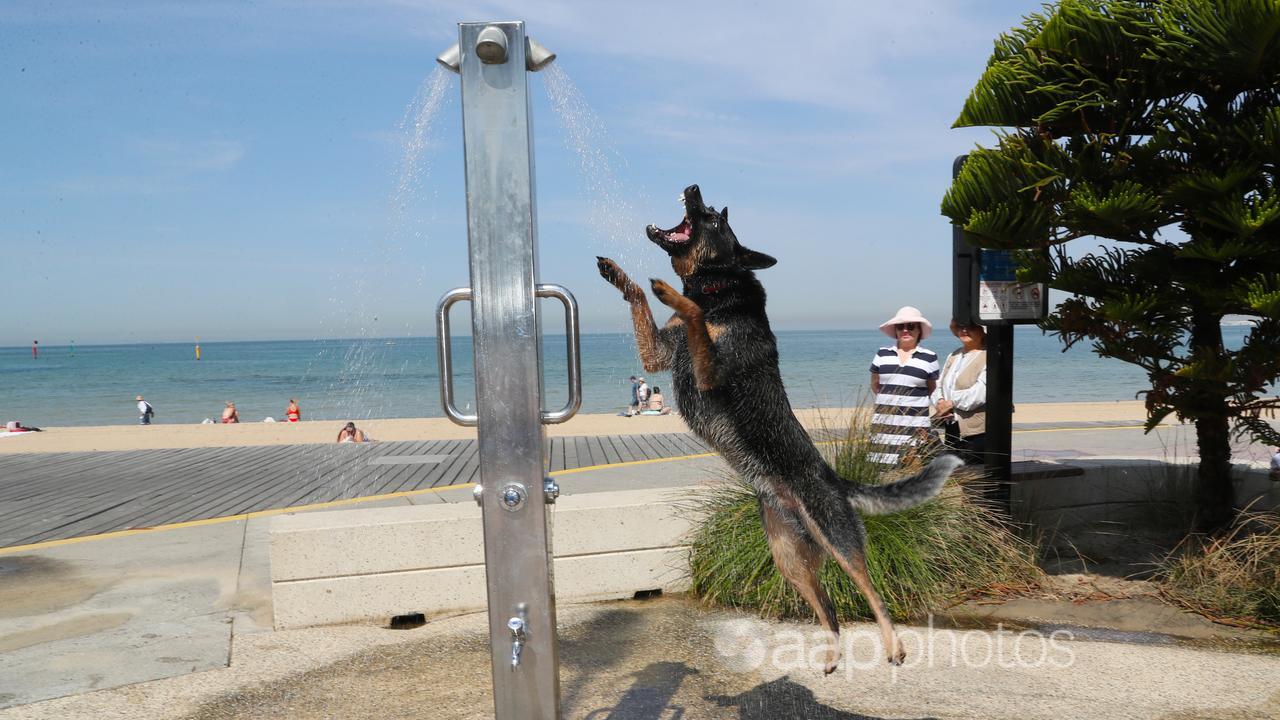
<point x="903" y="375"/>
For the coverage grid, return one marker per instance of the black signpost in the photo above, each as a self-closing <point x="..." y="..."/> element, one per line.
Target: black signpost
<point x="985" y="291"/>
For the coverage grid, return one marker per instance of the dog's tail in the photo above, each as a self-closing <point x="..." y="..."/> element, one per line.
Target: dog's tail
<point x="907" y="492"/>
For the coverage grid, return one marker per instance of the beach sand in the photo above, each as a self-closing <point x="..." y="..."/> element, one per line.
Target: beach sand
<point x="159" y="436"/>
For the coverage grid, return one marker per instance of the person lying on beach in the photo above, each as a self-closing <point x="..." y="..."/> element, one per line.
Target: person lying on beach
<point x="16" y="426"/>
<point x="229" y="414"/>
<point x="350" y="433"/>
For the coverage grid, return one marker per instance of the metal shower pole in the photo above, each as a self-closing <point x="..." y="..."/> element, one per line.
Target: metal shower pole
<point x="514" y="493"/>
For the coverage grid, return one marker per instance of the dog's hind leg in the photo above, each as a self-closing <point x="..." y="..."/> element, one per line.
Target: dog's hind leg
<point x="838" y="529"/>
<point x="799" y="559"/>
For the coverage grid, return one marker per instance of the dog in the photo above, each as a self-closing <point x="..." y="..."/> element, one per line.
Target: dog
<point x="723" y="358"/>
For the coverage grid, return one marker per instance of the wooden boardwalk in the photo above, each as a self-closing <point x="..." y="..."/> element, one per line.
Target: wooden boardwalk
<point x="63" y="495"/>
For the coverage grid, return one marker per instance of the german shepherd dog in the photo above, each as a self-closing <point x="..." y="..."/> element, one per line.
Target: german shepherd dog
<point x="724" y="361"/>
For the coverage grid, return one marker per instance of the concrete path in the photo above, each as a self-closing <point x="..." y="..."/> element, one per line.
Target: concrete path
<point x="171" y="608"/>
<point x="667" y="659"/>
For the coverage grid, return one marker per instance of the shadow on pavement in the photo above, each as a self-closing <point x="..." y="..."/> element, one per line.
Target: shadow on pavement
<point x="783" y="698"/>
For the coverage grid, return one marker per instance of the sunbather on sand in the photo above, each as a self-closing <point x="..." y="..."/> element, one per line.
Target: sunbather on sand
<point x="351" y="434"/>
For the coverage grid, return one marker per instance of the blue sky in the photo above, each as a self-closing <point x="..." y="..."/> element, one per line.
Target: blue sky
<point x="230" y="171"/>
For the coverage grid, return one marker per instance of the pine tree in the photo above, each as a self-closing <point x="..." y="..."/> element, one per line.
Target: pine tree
<point x="1152" y="126"/>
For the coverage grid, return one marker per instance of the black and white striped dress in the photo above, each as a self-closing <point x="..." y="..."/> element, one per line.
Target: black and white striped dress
<point x="902" y="405"/>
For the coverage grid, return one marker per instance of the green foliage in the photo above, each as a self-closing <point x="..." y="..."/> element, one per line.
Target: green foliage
<point x="919" y="559"/>
<point x="1154" y="126"/>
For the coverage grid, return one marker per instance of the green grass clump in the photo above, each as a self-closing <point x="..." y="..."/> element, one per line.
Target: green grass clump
<point x="1234" y="578"/>
<point x="920" y="560"/>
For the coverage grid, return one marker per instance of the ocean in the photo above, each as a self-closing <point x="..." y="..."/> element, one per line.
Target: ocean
<point x="389" y="378"/>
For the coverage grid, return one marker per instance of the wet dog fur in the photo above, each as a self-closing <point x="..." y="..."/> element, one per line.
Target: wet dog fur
<point x="724" y="363"/>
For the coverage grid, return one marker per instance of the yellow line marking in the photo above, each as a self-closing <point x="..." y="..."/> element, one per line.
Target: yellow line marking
<point x="630" y="463"/>
<point x="1095" y="429"/>
<point x="408" y="493"/>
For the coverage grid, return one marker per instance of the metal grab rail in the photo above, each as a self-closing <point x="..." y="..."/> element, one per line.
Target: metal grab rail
<point x="444" y="354"/>
<point x="572" y="349"/>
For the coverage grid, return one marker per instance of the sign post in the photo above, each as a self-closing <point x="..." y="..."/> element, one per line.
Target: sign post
<point x="986" y="291"/>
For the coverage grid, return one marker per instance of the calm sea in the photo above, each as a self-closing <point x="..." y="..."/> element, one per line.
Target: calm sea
<point x="357" y="379"/>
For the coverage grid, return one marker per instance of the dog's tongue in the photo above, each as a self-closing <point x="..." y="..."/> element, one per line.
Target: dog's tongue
<point x="681" y="233"/>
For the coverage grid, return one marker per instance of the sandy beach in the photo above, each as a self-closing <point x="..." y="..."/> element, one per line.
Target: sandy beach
<point x="154" y="437"/>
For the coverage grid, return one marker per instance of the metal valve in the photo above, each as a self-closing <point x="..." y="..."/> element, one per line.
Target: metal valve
<point x="517" y="627"/>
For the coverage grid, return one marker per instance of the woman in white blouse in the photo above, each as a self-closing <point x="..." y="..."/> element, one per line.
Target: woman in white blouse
<point x="960" y="399"/>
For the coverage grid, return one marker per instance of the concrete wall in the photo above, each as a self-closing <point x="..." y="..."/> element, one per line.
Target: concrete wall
<point x="1125" y="508"/>
<point x="369" y="565"/>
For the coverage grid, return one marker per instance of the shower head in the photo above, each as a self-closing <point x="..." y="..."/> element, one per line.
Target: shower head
<point x="536" y="56"/>
<point x="451" y="59"/>
<point x="491" y="47"/>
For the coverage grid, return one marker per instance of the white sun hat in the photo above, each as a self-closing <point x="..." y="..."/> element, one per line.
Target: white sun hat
<point x="907" y="314"/>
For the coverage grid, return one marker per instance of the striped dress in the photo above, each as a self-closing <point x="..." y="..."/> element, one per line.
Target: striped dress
<point x="902" y="405"/>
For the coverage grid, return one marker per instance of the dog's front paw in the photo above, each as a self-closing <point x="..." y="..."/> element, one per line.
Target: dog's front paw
<point x="610" y="271"/>
<point x="668" y="296"/>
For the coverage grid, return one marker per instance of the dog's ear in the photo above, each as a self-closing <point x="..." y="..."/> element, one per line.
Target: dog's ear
<point x="752" y="260"/>
<point x="724" y="214"/>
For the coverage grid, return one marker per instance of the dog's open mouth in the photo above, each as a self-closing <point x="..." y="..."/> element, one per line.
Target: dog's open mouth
<point x="678" y="234"/>
<point x="683" y="232"/>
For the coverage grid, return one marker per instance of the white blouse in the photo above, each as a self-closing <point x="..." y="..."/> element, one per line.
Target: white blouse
<point x="970" y="398"/>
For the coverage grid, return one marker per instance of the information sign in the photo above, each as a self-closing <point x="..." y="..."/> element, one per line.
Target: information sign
<point x="1001" y="298"/>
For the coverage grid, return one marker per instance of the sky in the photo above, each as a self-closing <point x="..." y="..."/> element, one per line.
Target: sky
<point x="175" y="170"/>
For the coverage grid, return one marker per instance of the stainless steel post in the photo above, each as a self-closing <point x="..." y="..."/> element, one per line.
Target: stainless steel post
<point x="501" y="225"/>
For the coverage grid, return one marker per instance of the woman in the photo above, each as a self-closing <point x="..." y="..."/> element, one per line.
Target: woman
<point x="229" y="414"/>
<point x="657" y="403"/>
<point x="903" y="376"/>
<point x="293" y="413"/>
<point x="961" y="398"/>
<point x="350" y="434"/>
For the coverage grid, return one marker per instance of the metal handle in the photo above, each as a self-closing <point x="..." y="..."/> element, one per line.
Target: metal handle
<point x="444" y="353"/>
<point x="571" y="353"/>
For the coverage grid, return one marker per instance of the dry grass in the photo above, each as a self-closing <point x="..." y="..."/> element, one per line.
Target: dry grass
<point x="921" y="560"/>
<point x="1234" y="578"/>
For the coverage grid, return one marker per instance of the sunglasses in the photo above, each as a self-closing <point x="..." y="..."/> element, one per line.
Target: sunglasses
<point x="907" y="326"/>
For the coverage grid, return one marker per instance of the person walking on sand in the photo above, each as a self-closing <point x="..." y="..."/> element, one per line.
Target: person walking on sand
<point x="903" y="376"/>
<point x="229" y="414"/>
<point x="634" y="407"/>
<point x="293" y="413"/>
<point x="145" y="411"/>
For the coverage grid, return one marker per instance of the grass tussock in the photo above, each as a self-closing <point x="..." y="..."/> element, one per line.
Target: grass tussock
<point x="1234" y="578"/>
<point x="923" y="559"/>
